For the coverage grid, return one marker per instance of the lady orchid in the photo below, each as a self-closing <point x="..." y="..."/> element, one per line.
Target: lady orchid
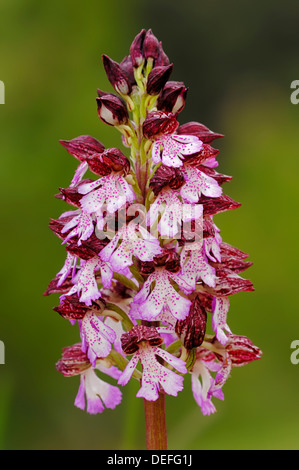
<point x="147" y="272"/>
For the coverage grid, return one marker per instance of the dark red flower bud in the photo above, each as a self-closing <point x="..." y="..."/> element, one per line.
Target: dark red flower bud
<point x="230" y="283"/>
<point x="199" y="130"/>
<point x="71" y="195"/>
<point x="73" y="361"/>
<point x="191" y="331"/>
<point x="239" y="350"/>
<point x="152" y="48"/>
<point x="232" y="258"/>
<point x="157" y="79"/>
<point x="88" y="248"/>
<point x="56" y="225"/>
<point x="72" y="309"/>
<point x="157" y="123"/>
<point x="117" y="76"/>
<point x="116" y="160"/>
<point x="83" y="147"/>
<point x="162" y="59"/>
<point x="136" y="49"/>
<point x="63" y="288"/>
<point x="173" y="97"/>
<point x="166" y="176"/>
<point x="127" y="65"/>
<point x="242" y="351"/>
<point x="112" y="110"/>
<point x="130" y="340"/>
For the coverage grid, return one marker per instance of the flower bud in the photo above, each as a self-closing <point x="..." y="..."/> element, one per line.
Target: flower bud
<point x="199" y="130"/>
<point x="88" y="248"/>
<point x="127" y="65"/>
<point x="73" y="361"/>
<point x="130" y="340"/>
<point x="151" y="46"/>
<point x="116" y="160"/>
<point x="117" y="76"/>
<point x="72" y="309"/>
<point x="240" y="350"/>
<point x="191" y="331"/>
<point x="83" y="147"/>
<point x="112" y="110"/>
<point x="157" y="79"/>
<point x="166" y="176"/>
<point x="136" y="49"/>
<point x="173" y="97"/>
<point x="157" y="123"/>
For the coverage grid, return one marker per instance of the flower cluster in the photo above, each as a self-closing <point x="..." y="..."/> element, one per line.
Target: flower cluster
<point x="146" y="271"/>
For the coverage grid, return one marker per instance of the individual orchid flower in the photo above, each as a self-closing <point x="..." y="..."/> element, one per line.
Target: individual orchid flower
<point x="99" y="394"/>
<point x="135" y="241"/>
<point x="143" y="342"/>
<point x="202" y="380"/>
<point x="174" y="213"/>
<point x="150" y="303"/>
<point x="111" y="190"/>
<point x="85" y="284"/>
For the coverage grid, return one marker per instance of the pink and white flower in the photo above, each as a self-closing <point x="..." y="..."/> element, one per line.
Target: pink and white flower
<point x="111" y="190"/>
<point x="85" y="284"/>
<point x="155" y="376"/>
<point x="171" y="149"/>
<point x="135" y="241"/>
<point x="98" y="393"/>
<point x="173" y="212"/>
<point x="198" y="183"/>
<point x="151" y="302"/>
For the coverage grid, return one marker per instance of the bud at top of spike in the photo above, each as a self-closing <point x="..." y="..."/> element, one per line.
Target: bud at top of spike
<point x="127" y="65"/>
<point x="173" y="97"/>
<point x="157" y="79"/>
<point x="112" y="110"/>
<point x="192" y="330"/>
<point x="83" y="147"/>
<point x="151" y="46"/>
<point x="130" y="340"/>
<point x="136" y="49"/>
<point x="159" y="123"/>
<point x="117" y="76"/>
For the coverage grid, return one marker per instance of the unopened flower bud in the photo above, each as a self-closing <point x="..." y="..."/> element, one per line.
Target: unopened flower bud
<point x="130" y="340"/>
<point x="166" y="176"/>
<point x="116" y="160"/>
<point x="72" y="309"/>
<point x="173" y="97"/>
<point x="151" y="46"/>
<point x="73" y="361"/>
<point x="83" y="147"/>
<point x="157" y="79"/>
<point x="157" y="123"/>
<point x="136" y="49"/>
<point x="117" y="76"/>
<point x="127" y="65"/>
<point x="112" y="110"/>
<point x="192" y="330"/>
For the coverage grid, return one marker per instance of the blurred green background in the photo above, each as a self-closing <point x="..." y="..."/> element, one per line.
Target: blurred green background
<point x="238" y="60"/>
